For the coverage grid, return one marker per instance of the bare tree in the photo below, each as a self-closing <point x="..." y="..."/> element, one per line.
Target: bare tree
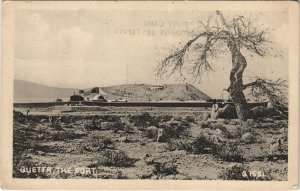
<point x="219" y="34"/>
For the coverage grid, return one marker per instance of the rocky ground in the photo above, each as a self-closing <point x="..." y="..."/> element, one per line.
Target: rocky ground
<point x="148" y="145"/>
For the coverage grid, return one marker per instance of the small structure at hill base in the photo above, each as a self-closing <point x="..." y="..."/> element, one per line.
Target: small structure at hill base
<point x="58" y="100"/>
<point x="99" y="97"/>
<point x="95" y="90"/>
<point x="156" y="88"/>
<point x="76" y="98"/>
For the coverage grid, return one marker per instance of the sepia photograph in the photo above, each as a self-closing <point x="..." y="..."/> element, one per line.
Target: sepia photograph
<point x="173" y="91"/>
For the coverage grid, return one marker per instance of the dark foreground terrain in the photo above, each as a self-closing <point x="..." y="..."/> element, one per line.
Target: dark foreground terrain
<point x="147" y="145"/>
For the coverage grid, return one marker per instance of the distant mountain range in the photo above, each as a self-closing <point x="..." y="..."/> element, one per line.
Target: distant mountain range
<point x="28" y="92"/>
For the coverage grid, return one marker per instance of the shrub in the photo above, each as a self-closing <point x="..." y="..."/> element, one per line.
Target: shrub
<point x="180" y="145"/>
<point x="151" y="132"/>
<point x="110" y="118"/>
<point x="225" y="132"/>
<point x="176" y="118"/>
<point x="173" y="129"/>
<point x="227" y="151"/>
<point x="189" y="119"/>
<point x="104" y="122"/>
<point x="107" y="141"/>
<point x="96" y="143"/>
<point x="204" y="124"/>
<point x="23" y="138"/>
<point x="164" y="118"/>
<point x="215" y="126"/>
<point x="64" y="135"/>
<point x="170" y="132"/>
<point x="116" y="158"/>
<point x="201" y="116"/>
<point x="236" y="131"/>
<point x="248" y="138"/>
<point x="66" y="119"/>
<point x="129" y="129"/>
<point x="57" y="126"/>
<point x="38" y="149"/>
<point x="92" y="126"/>
<point x="19" y="117"/>
<point x="165" y="169"/>
<point x="119" y="126"/>
<point x="230" y="152"/>
<point x="144" y="120"/>
<point x="204" y="145"/>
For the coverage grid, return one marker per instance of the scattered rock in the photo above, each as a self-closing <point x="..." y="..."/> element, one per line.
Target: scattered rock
<point x="152" y="132"/>
<point x="80" y="133"/>
<point x="247" y="138"/>
<point x="216" y="139"/>
<point x="43" y="121"/>
<point x="160" y="134"/>
<point x="234" y="122"/>
<point x="146" y="176"/>
<point x="203" y="124"/>
<point x="149" y="160"/>
<point x="276" y="146"/>
<point x="170" y="177"/>
<point x="41" y="153"/>
<point x="226" y="121"/>
<point x="221" y="120"/>
<point x="218" y="132"/>
<point x="109" y="125"/>
<point x="152" y="128"/>
<point x="176" y="118"/>
<point x="250" y="121"/>
<point x="123" y="139"/>
<point x="283" y="137"/>
<point x="283" y="130"/>
<point x="202" y="116"/>
<point x="205" y="116"/>
<point x="233" y="130"/>
<point x="170" y="124"/>
<point x="268" y="120"/>
<point x="154" y="177"/>
<point x="212" y="120"/>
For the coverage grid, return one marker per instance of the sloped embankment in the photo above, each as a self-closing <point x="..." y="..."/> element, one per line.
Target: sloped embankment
<point x="166" y="92"/>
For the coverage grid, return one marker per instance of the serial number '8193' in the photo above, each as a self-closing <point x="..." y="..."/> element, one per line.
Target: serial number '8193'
<point x="253" y="173"/>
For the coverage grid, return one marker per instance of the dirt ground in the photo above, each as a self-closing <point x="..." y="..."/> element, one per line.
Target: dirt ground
<point x="152" y="143"/>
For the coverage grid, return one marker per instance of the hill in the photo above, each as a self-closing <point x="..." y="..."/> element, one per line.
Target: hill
<point x="25" y="92"/>
<point x="166" y="92"/>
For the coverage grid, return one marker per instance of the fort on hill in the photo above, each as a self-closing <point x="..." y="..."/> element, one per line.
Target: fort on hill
<point x="27" y="92"/>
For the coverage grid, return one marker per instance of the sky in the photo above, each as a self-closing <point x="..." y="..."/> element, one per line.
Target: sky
<point x="82" y="49"/>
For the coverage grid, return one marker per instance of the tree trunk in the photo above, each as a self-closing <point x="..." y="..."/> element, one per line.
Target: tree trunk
<point x="236" y="83"/>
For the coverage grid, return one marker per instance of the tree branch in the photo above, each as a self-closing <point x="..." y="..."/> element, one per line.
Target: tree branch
<point x="219" y="32"/>
<point x="177" y="58"/>
<point x="245" y="86"/>
<point x="275" y="91"/>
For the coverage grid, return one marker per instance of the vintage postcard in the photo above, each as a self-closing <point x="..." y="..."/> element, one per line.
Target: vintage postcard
<point x="150" y="95"/>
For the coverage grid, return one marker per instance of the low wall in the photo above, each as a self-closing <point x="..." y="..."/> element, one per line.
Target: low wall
<point x="133" y="104"/>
